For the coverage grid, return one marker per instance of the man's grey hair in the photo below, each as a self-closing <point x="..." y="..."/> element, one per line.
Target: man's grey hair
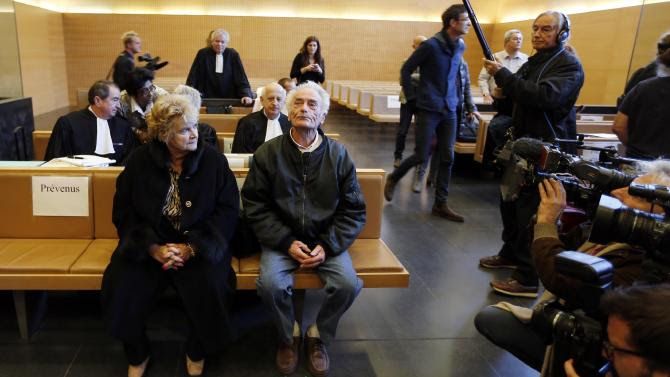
<point x="325" y="98"/>
<point x="659" y="169"/>
<point x="558" y="16"/>
<point x="510" y="33"/>
<point x="217" y="32"/>
<point x="192" y="94"/>
<point x="275" y="86"/>
<point x="128" y="36"/>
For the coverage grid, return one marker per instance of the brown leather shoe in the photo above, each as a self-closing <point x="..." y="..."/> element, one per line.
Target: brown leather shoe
<point x="443" y="210"/>
<point x="496" y="261"/>
<point x="318" y="363"/>
<point x="287" y="356"/>
<point x="511" y="287"/>
<point x="389" y="187"/>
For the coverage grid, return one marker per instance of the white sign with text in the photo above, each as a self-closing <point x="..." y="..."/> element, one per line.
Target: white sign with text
<point x="60" y="196"/>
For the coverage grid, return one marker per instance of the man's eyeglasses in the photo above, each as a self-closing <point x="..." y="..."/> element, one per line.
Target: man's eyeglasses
<point x="610" y="349"/>
<point x="663" y="46"/>
<point x="464" y="20"/>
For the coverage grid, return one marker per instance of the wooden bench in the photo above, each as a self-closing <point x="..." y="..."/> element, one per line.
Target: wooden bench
<point x="45" y="253"/>
<point x="224" y="139"/>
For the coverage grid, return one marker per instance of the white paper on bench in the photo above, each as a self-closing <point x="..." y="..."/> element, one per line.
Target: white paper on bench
<point x="60" y="196"/>
<point x="591" y="118"/>
<point x="393" y="102"/>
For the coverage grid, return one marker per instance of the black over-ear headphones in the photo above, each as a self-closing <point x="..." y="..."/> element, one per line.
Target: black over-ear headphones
<point x="564" y="33"/>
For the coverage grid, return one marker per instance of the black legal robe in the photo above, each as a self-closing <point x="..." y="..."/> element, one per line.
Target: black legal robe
<point x="231" y="83"/>
<point x="76" y="133"/>
<point x="251" y="129"/>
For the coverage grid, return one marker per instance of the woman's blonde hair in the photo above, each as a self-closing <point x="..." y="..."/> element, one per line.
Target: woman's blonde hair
<point x="165" y="111"/>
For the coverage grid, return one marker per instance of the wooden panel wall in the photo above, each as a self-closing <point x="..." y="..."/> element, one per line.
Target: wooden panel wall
<point x="10" y="71"/>
<point x="604" y="43"/>
<point x="352" y="49"/>
<point x="653" y="23"/>
<point x="42" y="52"/>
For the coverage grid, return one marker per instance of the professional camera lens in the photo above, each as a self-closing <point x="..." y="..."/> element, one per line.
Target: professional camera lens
<point x="616" y="222"/>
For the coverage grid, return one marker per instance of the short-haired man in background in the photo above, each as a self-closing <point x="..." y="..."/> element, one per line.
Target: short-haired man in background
<point x="437" y="99"/>
<point x="125" y="62"/>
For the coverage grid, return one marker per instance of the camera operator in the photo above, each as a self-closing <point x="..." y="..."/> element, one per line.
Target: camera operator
<point x="638" y="331"/>
<point x="544" y="91"/>
<point x="507" y="325"/>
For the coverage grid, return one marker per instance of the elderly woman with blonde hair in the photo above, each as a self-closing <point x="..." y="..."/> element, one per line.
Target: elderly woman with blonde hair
<point x="206" y="132"/>
<point x="175" y="209"/>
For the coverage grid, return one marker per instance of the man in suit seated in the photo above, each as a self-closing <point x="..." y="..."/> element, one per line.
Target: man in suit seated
<point x="263" y="125"/>
<point x="94" y="130"/>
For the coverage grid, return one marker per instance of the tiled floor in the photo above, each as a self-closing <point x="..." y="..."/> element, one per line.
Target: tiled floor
<point x="424" y="330"/>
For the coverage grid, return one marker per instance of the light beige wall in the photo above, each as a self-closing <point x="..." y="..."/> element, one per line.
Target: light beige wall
<point x="352" y="49"/>
<point x="10" y="71"/>
<point x="653" y="22"/>
<point x="604" y="43"/>
<point x="42" y="52"/>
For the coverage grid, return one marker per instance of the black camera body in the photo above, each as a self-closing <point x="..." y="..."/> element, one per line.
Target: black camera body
<point x="528" y="161"/>
<point x="153" y="64"/>
<point x="576" y="329"/>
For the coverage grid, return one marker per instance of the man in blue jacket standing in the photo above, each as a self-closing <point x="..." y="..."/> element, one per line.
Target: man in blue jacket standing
<point x="437" y="100"/>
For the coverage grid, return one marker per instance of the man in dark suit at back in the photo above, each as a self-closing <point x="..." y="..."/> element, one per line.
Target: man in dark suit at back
<point x="261" y="126"/>
<point x="125" y="62"/>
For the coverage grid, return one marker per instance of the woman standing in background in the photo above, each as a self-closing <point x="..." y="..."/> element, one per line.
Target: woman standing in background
<point x="308" y="64"/>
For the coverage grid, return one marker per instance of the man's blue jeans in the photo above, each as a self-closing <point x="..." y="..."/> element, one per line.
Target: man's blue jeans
<point x="275" y="287"/>
<point x="428" y="124"/>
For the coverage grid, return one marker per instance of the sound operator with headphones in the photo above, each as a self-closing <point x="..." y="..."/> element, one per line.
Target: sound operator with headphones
<point x="544" y="91"/>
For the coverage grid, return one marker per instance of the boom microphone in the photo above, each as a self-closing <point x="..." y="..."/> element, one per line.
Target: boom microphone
<point x="488" y="54"/>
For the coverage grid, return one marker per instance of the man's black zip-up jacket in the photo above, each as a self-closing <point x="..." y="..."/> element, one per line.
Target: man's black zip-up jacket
<point x="313" y="197"/>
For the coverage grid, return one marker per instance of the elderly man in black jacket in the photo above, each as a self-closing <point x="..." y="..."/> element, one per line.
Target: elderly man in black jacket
<point x="304" y="203"/>
<point x="544" y="91"/>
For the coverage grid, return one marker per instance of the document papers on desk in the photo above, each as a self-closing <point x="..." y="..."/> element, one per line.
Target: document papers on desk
<point x="81" y="160"/>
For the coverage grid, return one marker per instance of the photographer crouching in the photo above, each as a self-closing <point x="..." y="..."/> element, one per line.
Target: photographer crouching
<point x="638" y="332"/>
<point x="509" y="326"/>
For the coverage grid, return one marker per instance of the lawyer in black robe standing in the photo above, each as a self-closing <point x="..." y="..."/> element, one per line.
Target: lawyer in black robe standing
<point x="95" y="130"/>
<point x="175" y="210"/>
<point x="256" y="128"/>
<point x="217" y="71"/>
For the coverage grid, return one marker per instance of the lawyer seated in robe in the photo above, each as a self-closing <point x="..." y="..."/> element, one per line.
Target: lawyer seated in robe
<point x="256" y="128"/>
<point x="95" y="130"/>
<point x="217" y="71"/>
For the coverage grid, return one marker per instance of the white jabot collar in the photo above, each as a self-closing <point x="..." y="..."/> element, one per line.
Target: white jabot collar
<point x="103" y="139"/>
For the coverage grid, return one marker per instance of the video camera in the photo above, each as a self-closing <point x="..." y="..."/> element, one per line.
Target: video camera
<point x="576" y="329"/>
<point x="616" y="222"/>
<point x="152" y="63"/>
<point x="528" y="161"/>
